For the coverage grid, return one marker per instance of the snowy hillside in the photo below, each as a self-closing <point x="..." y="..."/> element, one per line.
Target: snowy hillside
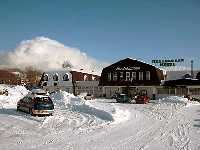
<point x="101" y="124"/>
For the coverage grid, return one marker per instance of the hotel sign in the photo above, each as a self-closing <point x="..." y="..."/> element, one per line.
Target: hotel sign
<point x="128" y="68"/>
<point x="167" y="62"/>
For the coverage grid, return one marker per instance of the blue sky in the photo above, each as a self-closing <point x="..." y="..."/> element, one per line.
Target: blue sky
<point x="107" y="30"/>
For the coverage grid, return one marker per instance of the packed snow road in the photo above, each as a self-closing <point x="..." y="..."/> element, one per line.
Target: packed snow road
<point x="171" y="123"/>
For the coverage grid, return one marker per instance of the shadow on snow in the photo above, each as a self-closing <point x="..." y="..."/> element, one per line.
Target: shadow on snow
<point x="14" y="112"/>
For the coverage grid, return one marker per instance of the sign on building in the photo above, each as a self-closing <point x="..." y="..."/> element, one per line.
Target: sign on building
<point x="167" y="62"/>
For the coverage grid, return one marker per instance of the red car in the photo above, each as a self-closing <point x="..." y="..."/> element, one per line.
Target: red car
<point x="142" y="97"/>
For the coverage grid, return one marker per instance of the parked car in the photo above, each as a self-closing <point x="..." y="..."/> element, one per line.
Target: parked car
<point x="142" y="97"/>
<point x="123" y="98"/>
<point x="36" y="104"/>
<point x="89" y="97"/>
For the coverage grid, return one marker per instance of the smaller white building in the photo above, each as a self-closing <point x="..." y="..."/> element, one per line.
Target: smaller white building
<point x="54" y="80"/>
<point x="72" y="82"/>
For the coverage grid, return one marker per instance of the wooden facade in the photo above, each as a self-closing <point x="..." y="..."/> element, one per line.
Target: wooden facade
<point x="130" y="76"/>
<point x="130" y="72"/>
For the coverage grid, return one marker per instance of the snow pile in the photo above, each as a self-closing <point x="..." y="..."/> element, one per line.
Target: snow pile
<point x="64" y="99"/>
<point x="178" y="100"/>
<point x="73" y="103"/>
<point x="15" y="93"/>
<point x="174" y="99"/>
<point x="119" y="114"/>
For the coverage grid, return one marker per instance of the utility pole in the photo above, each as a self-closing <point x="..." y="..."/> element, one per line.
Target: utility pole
<point x="192" y="73"/>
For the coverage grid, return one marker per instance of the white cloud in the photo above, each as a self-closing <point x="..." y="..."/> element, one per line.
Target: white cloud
<point x="46" y="54"/>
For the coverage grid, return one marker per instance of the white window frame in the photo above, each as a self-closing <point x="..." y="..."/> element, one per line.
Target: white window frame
<point x="115" y="76"/>
<point x="141" y="76"/>
<point x="128" y="76"/>
<point x="148" y="75"/>
<point x="134" y="76"/>
<point x="121" y="75"/>
<point x="109" y="76"/>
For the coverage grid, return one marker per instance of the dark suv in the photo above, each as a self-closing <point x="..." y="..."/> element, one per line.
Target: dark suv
<point x="36" y="104"/>
<point x="122" y="98"/>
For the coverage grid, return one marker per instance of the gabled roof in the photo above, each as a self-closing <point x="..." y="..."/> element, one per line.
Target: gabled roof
<point x="131" y="61"/>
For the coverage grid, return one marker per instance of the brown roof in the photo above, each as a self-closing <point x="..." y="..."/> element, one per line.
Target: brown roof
<point x="79" y="76"/>
<point x="6" y="74"/>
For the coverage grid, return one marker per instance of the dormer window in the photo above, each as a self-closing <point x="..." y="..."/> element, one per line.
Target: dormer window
<point x="45" y="77"/>
<point x="66" y="77"/>
<point x="55" y="77"/>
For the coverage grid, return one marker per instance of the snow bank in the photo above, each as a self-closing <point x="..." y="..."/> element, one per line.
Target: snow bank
<point x="73" y="103"/>
<point x="174" y="99"/>
<point x="178" y="100"/>
<point x="15" y="93"/>
<point x="119" y="114"/>
<point x="62" y="98"/>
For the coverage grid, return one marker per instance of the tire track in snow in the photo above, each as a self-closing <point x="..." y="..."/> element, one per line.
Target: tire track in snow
<point x="164" y="127"/>
<point x="76" y="121"/>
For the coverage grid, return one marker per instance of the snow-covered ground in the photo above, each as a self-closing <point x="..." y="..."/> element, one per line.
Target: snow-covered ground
<point x="171" y="123"/>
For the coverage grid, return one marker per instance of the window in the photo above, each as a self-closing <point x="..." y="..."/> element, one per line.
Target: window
<point x="115" y="76"/>
<point x="140" y="75"/>
<point x="148" y="75"/>
<point x="133" y="77"/>
<point x="121" y="75"/>
<point x="45" y="77"/>
<point x="55" y="77"/>
<point x="109" y="76"/>
<point x="66" y="77"/>
<point x="128" y="76"/>
<point x="55" y="83"/>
